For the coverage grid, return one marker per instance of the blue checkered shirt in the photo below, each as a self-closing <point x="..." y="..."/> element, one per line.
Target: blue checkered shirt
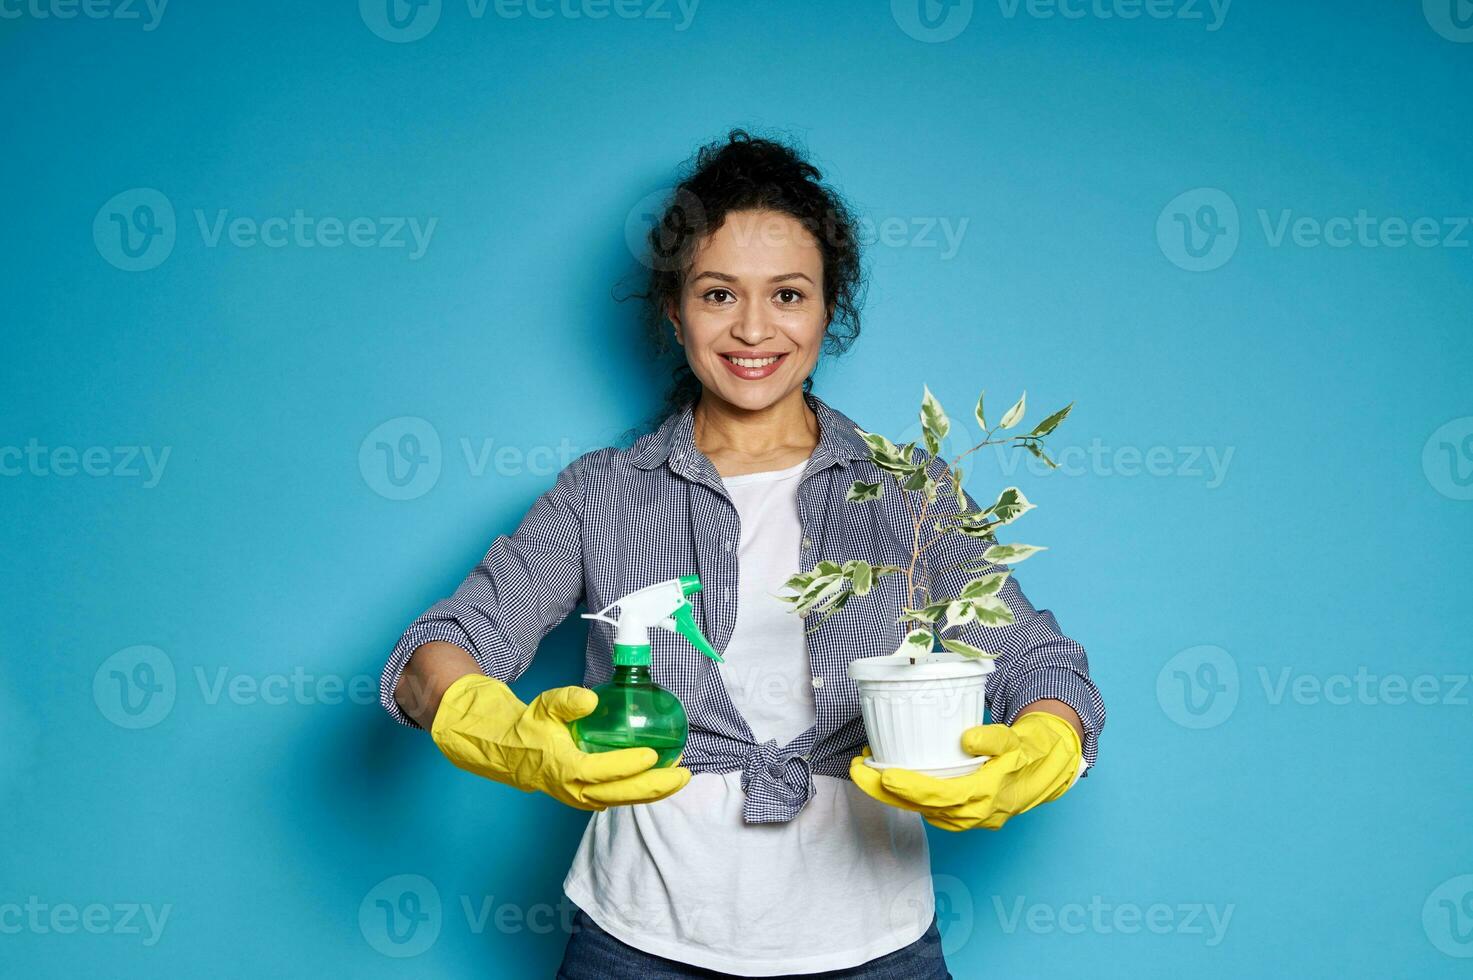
<point x="617" y="520"/>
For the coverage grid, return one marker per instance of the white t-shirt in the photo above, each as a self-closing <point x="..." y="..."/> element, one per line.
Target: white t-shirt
<point x="847" y="880"/>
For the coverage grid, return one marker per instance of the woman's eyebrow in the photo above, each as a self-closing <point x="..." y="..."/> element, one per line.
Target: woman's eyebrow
<point x="724" y="277"/>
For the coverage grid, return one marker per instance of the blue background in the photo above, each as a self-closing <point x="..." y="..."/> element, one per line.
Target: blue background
<point x="265" y="548"/>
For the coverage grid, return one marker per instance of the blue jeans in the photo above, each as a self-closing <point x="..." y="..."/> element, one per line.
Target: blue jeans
<point x="593" y="954"/>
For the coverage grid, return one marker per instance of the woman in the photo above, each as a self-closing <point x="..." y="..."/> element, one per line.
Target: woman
<point x="771" y="850"/>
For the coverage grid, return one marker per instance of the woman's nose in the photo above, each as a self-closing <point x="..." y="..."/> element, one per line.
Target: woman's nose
<point x="751" y="326"/>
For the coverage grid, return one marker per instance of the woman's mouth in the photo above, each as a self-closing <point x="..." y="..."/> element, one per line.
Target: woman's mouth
<point x="752" y="366"/>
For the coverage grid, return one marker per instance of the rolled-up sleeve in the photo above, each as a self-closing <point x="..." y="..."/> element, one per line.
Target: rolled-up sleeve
<point x="525" y="586"/>
<point x="1035" y="660"/>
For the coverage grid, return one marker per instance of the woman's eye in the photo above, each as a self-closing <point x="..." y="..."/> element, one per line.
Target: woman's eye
<point x="790" y="296"/>
<point x="717" y="295"/>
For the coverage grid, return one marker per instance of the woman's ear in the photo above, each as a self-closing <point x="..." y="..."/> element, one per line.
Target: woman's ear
<point x="672" y="312"/>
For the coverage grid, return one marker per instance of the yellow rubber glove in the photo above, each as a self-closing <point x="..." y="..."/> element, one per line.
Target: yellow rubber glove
<point x="484" y="728"/>
<point x="1034" y="760"/>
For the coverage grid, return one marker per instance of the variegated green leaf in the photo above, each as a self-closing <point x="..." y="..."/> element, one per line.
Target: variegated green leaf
<point x="1014" y="415"/>
<point x="1037" y="450"/>
<point x="984" y="586"/>
<point x="1011" y="554"/>
<point x="959" y="612"/>
<point x="934" y="423"/>
<point x="916" y="642"/>
<point x="992" y="611"/>
<point x="918" y="616"/>
<point x="966" y="649"/>
<point x="981" y="417"/>
<point x="1010" y="505"/>
<point x="1052" y="422"/>
<point x="863" y="491"/>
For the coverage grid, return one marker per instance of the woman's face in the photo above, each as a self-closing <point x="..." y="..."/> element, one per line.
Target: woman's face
<point x="751" y="316"/>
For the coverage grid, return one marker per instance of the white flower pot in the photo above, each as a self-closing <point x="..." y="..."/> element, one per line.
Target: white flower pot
<point x="915" y="713"/>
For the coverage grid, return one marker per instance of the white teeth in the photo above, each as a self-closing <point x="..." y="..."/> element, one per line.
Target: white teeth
<point x="749" y="362"/>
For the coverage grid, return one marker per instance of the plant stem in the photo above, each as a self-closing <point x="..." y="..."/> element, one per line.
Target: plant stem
<point x="918" y="549"/>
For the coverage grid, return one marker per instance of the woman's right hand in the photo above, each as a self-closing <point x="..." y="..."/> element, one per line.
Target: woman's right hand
<point x="484" y="728"/>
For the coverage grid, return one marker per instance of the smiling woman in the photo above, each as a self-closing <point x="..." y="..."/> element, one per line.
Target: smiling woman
<point x="758" y="855"/>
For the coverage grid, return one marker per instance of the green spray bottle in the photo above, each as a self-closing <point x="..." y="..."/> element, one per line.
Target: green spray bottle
<point x="632" y="709"/>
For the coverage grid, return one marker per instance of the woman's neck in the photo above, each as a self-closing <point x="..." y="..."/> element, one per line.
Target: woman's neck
<point x="740" y="441"/>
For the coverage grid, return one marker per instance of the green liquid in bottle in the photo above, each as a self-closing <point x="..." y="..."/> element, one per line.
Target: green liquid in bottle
<point x="634" y="711"/>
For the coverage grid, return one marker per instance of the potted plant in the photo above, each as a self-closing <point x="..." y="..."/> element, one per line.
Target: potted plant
<point x="918" y="700"/>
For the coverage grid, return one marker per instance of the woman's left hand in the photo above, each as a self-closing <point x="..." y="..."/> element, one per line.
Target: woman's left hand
<point x="1034" y="760"/>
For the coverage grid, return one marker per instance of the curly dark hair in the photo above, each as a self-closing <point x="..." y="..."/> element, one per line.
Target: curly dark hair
<point x="748" y="173"/>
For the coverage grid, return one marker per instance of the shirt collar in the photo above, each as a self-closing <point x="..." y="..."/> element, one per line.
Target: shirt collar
<point x="838" y="440"/>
